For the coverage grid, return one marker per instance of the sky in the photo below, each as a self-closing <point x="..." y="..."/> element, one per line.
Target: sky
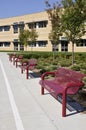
<point x="12" y="8"/>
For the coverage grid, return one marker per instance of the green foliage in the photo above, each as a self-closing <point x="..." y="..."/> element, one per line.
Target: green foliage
<point x="76" y="67"/>
<point x="28" y="36"/>
<point x="54" y="12"/>
<point x="84" y="80"/>
<point x="73" y="24"/>
<point x="73" y="20"/>
<point x="24" y="37"/>
<point x="67" y="21"/>
<point x="45" y="60"/>
<point x="33" y="35"/>
<point x="65" y="63"/>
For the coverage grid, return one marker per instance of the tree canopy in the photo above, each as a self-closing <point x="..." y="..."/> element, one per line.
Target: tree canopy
<point x="24" y="37"/>
<point x="27" y="37"/>
<point x="68" y="19"/>
<point x="54" y="16"/>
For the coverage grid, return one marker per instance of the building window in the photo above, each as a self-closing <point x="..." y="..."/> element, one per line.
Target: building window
<point x="39" y="24"/>
<point x="6" y="44"/>
<point x="42" y="24"/>
<point x="15" y="46"/>
<point x="1" y="44"/>
<point x="32" y="44"/>
<point x="82" y="43"/>
<point x="32" y="25"/>
<point x="64" y="45"/>
<point x="38" y="44"/>
<point x="15" y="27"/>
<point x="21" y="25"/>
<point x="1" y="28"/>
<point x="21" y="47"/>
<point x="55" y="47"/>
<point x="6" y="28"/>
<point x="42" y="43"/>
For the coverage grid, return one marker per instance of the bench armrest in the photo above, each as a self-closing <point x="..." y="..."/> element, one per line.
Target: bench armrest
<point x="47" y="74"/>
<point x="28" y="66"/>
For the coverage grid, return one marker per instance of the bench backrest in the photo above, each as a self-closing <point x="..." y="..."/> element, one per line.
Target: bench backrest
<point x="32" y="63"/>
<point x="68" y="74"/>
<point x="67" y="77"/>
<point x="20" y="57"/>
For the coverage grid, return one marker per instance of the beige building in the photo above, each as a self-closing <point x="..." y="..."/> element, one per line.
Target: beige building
<point x="9" y="34"/>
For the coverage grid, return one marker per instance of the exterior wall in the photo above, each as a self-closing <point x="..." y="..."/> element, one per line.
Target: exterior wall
<point x="9" y="37"/>
<point x="80" y="49"/>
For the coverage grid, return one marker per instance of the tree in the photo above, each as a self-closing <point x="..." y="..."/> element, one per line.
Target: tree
<point x="24" y="37"/>
<point x="33" y="37"/>
<point x="73" y="21"/>
<point x="54" y="13"/>
<point x="28" y="37"/>
<point x="67" y="19"/>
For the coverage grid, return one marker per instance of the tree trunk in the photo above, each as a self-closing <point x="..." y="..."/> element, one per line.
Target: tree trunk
<point x="72" y="53"/>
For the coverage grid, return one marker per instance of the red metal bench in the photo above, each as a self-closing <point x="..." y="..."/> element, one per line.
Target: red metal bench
<point x="64" y="81"/>
<point x="30" y="65"/>
<point x="18" y="59"/>
<point x="11" y="57"/>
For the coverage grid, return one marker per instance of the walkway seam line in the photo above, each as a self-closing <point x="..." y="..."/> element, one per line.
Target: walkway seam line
<point x="18" y="121"/>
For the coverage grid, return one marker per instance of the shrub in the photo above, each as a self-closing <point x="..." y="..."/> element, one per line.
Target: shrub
<point x="65" y="63"/>
<point x="76" y="68"/>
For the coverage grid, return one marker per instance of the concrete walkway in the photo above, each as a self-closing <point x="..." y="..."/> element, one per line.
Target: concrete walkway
<point x="22" y="107"/>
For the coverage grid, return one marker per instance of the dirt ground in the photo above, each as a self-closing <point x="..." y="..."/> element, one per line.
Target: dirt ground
<point x="80" y="97"/>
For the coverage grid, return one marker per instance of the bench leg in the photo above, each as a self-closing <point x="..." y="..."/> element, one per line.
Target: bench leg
<point x="16" y="64"/>
<point x="27" y="70"/>
<point x="42" y="90"/>
<point x="64" y="104"/>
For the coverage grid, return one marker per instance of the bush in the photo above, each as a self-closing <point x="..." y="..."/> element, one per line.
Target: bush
<point x="51" y="60"/>
<point x="65" y="63"/>
<point x="76" y="68"/>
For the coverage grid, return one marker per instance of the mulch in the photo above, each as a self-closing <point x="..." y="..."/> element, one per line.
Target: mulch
<point x="80" y="97"/>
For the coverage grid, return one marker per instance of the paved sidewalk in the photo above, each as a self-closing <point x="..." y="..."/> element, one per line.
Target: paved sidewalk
<point x="22" y="107"/>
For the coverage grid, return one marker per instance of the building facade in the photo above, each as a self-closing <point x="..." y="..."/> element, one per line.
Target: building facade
<point x="9" y="34"/>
